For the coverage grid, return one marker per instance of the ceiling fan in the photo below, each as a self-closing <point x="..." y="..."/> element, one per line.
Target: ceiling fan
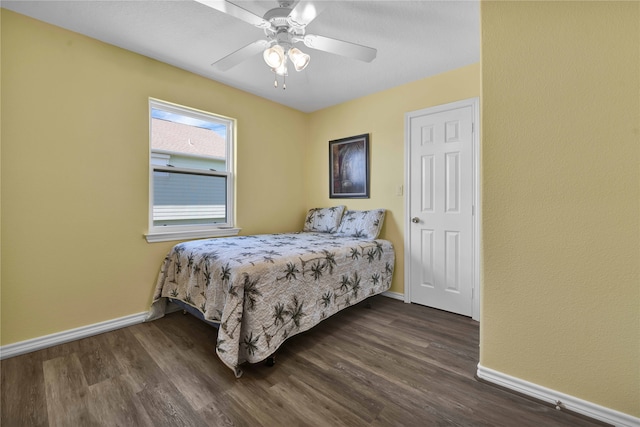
<point x="284" y="26"/>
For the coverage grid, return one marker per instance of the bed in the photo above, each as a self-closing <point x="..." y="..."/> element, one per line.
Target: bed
<point x="262" y="289"/>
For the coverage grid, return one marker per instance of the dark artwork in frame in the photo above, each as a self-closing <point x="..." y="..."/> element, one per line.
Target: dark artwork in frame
<point x="349" y="167"/>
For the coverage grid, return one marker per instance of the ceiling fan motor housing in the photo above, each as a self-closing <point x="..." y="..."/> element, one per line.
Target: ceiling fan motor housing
<point x="281" y="31"/>
<point x="278" y="16"/>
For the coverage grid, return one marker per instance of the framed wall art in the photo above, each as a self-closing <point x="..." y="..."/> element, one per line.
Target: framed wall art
<point x="349" y="167"/>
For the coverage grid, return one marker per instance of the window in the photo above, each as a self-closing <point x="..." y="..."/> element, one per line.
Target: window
<point x="191" y="173"/>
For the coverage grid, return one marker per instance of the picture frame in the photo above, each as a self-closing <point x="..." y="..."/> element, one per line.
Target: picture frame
<point x="349" y="167"/>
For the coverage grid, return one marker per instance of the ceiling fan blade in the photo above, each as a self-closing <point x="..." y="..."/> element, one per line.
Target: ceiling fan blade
<point x="339" y="47"/>
<point x="305" y="12"/>
<point x="240" y="55"/>
<point x="237" y="12"/>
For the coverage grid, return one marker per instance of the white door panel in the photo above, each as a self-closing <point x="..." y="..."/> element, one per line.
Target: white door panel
<point x="441" y="200"/>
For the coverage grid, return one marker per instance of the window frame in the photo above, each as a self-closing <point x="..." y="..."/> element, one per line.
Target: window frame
<point x="192" y="231"/>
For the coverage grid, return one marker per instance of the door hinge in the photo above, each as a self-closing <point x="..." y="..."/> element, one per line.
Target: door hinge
<point x="473" y="210"/>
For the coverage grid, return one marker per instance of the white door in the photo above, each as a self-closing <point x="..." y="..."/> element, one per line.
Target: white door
<point x="440" y="207"/>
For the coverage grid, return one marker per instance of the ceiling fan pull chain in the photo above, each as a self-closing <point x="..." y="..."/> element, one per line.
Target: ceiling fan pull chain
<point x="284" y="82"/>
<point x="275" y="82"/>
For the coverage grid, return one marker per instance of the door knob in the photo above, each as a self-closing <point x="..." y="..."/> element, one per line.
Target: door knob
<point x="415" y="220"/>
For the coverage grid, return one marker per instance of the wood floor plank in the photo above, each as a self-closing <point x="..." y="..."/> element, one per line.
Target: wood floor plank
<point x="199" y="390"/>
<point x="23" y="399"/>
<point x="313" y="407"/>
<point x="438" y="353"/>
<point x="227" y="412"/>
<point x="372" y="379"/>
<point x="97" y="360"/>
<point x="187" y="334"/>
<point x="395" y="364"/>
<point x="115" y="400"/>
<point x="166" y="406"/>
<point x="67" y="392"/>
<point x="140" y="368"/>
<point x="417" y="384"/>
<point x="267" y="408"/>
<point x="364" y="403"/>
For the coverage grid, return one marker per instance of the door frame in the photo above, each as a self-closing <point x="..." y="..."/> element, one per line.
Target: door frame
<point x="477" y="211"/>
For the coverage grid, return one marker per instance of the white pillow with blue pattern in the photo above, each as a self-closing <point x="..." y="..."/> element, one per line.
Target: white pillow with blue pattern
<point x="366" y="224"/>
<point x="323" y="220"/>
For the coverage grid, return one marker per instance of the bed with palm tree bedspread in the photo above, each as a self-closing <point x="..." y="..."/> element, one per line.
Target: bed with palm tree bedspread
<point x="262" y="289"/>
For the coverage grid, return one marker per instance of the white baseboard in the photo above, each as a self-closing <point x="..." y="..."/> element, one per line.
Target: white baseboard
<point x="394" y="295"/>
<point x="558" y="399"/>
<point x="34" y="344"/>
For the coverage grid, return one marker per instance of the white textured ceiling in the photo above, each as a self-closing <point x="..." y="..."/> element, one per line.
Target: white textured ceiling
<point x="414" y="39"/>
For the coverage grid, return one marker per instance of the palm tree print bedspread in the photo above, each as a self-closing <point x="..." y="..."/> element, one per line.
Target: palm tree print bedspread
<point x="264" y="289"/>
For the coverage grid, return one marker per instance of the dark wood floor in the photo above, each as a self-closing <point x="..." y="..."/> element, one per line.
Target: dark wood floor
<point x="395" y="364"/>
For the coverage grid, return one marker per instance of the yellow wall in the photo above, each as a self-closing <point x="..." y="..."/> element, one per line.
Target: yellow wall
<point x="75" y="174"/>
<point x="381" y="115"/>
<point x="75" y="169"/>
<point x="561" y="182"/>
<point x="561" y="194"/>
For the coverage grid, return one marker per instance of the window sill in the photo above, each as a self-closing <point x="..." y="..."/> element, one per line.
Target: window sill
<point x="187" y="235"/>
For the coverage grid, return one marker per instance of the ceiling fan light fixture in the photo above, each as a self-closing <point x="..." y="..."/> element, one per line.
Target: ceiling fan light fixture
<point x="274" y="56"/>
<point x="284" y="26"/>
<point x="282" y="69"/>
<point x="300" y="59"/>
